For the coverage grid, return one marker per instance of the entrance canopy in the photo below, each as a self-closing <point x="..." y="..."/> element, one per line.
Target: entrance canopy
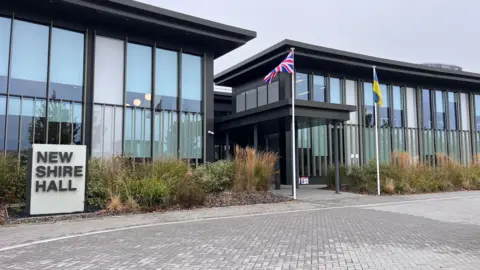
<point x="307" y="114"/>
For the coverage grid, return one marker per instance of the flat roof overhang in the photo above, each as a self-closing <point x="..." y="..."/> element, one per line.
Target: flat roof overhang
<point x="308" y="56"/>
<point x="136" y="18"/>
<point x="307" y="114"/>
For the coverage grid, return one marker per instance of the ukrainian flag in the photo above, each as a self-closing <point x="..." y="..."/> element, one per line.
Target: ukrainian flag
<point x="377" y="93"/>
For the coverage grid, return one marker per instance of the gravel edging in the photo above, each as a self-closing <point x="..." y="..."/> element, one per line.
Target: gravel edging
<point x="223" y="199"/>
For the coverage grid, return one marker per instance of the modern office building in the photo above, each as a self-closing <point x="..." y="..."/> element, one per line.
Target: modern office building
<point x="123" y="77"/>
<point x="120" y="76"/>
<point x="426" y="110"/>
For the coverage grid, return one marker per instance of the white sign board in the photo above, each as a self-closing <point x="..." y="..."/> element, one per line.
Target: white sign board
<point x="56" y="182"/>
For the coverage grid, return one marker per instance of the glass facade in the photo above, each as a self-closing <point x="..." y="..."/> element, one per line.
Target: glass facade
<point x="302" y="86"/>
<point x="335" y="91"/>
<point x="136" y="90"/>
<point x="318" y="88"/>
<point x="29" y="63"/>
<point x="5" y="27"/>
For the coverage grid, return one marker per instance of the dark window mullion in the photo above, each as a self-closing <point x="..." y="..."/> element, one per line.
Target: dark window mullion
<point x="47" y="103"/>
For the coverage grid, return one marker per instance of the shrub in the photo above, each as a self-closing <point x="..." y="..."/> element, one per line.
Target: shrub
<point x="148" y="193"/>
<point x="215" y="177"/>
<point x="13" y="180"/>
<point x="186" y="191"/>
<point x="105" y="180"/>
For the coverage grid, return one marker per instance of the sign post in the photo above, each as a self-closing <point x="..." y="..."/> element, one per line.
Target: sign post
<point x="56" y="179"/>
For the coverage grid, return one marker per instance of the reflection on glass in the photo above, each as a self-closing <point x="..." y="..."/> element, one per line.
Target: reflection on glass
<point x="107" y="131"/>
<point x="411" y="108"/>
<point x="26" y="123"/>
<point x="66" y="65"/>
<point x="464" y="114"/>
<point x="166" y="80"/>
<point x="273" y="92"/>
<point x="240" y="102"/>
<point x="351" y="99"/>
<point x="29" y="63"/>
<point x="251" y="97"/>
<point x="5" y="26"/>
<point x="397" y="106"/>
<point x="301" y="86"/>
<point x="191" y="133"/>
<point x="64" y="122"/>
<point x="139" y="75"/>
<point x="166" y="134"/>
<point x="427" y="112"/>
<point x="477" y="111"/>
<point x="369" y="109"/>
<point x="191" y="83"/>
<point x="108" y="79"/>
<point x="318" y="88"/>
<point x="137" y="133"/>
<point x="440" y="110"/>
<point x="335" y="93"/>
<point x="3" y="114"/>
<point x="452" y="111"/>
<point x="262" y="95"/>
<point x="384" y="111"/>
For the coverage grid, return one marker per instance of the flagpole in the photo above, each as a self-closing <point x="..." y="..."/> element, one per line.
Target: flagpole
<point x="376" y="142"/>
<point x="294" y="131"/>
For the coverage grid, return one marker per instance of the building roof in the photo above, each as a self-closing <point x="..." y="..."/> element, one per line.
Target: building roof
<point x="159" y="23"/>
<point x="263" y="62"/>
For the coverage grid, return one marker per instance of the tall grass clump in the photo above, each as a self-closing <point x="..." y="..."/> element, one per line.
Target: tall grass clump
<point x="106" y="179"/>
<point x="13" y="180"/>
<point x="406" y="176"/>
<point x="253" y="169"/>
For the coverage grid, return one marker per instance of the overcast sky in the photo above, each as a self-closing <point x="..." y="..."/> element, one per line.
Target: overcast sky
<point x="417" y="31"/>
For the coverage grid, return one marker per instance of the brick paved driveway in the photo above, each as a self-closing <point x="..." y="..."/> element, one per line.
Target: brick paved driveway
<point x="420" y="233"/>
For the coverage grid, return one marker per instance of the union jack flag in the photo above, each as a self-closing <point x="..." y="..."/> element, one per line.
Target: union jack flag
<point x="285" y="66"/>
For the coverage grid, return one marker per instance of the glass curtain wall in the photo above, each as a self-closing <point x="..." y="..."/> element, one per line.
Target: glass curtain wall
<point x="37" y="108"/>
<point x="150" y="114"/>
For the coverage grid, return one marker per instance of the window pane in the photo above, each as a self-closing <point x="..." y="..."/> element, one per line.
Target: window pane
<point x="384" y="111"/>
<point x="318" y="88"/>
<point x="397" y="106"/>
<point x="166" y="134"/>
<point x="29" y="63"/>
<point x="26" y="122"/>
<point x="335" y="93"/>
<point x="137" y="132"/>
<point x="273" y="94"/>
<point x="477" y="112"/>
<point x="262" y="95"/>
<point x="166" y="79"/>
<point x="191" y="83"/>
<point x="64" y="122"/>
<point x="427" y="115"/>
<point x="108" y="79"/>
<point x="3" y="113"/>
<point x="107" y="131"/>
<point x="191" y="130"/>
<point x="66" y="65"/>
<point x="139" y="76"/>
<point x="251" y="99"/>
<point x="411" y="108"/>
<point x="440" y="110"/>
<point x="464" y="113"/>
<point x="351" y="96"/>
<point x="369" y="107"/>
<point x="240" y="102"/>
<point x="301" y="86"/>
<point x="452" y="111"/>
<point x="5" y="26"/>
